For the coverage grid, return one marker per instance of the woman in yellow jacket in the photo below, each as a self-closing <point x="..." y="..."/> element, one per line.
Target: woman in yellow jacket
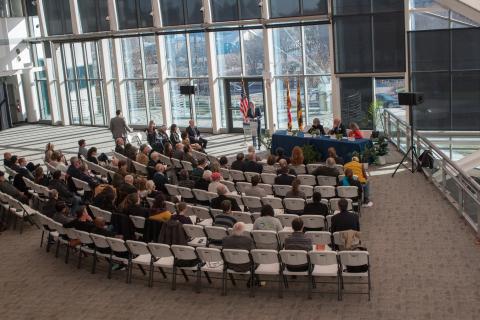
<point x="359" y="171"/>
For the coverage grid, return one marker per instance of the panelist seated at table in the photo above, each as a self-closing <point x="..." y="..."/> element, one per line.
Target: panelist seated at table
<point x="338" y="128"/>
<point x="316" y="128"/>
<point x="355" y="131"/>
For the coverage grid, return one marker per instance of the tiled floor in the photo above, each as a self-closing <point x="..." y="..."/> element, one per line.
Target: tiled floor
<point x="425" y="265"/>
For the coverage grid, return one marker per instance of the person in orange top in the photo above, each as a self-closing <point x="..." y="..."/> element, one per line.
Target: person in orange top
<point x="359" y="171"/>
<point x="355" y="131"/>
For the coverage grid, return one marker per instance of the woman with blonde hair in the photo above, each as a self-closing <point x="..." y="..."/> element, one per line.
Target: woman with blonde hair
<point x="297" y="156"/>
<point x="355" y="131"/>
<point x="49" y="150"/>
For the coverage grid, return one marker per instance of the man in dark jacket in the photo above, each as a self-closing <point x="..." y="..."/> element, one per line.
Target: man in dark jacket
<point x="194" y="135"/>
<point x="9" y="189"/>
<point x="345" y="220"/>
<point x="316" y="207"/>
<point x="216" y="203"/>
<point x="238" y="164"/>
<point x="251" y="165"/>
<point x="238" y="241"/>
<point x="57" y="183"/>
<point x="284" y="178"/>
<point x="160" y="178"/>
<point x="328" y="170"/>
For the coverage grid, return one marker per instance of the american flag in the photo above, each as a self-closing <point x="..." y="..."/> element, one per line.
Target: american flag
<point x="244" y="102"/>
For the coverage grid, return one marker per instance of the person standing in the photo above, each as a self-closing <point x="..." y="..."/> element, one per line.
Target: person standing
<point x="254" y="114"/>
<point x="119" y="126"/>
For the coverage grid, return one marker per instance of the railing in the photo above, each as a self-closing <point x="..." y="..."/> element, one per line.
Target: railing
<point x="457" y="186"/>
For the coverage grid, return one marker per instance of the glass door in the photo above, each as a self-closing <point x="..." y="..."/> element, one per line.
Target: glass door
<point x="233" y="95"/>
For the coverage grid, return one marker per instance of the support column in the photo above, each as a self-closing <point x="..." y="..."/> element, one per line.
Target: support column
<point x="74" y="12"/>
<point x="108" y="81"/>
<point x="336" y="101"/>
<point x="56" y="86"/>
<point x="163" y="81"/>
<point x="268" y="77"/>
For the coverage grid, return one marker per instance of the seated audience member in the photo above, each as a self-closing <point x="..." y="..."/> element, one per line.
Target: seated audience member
<point x="7" y="159"/>
<point x="9" y="189"/>
<point x="298" y="241"/>
<point x="295" y="192"/>
<point x="154" y="159"/>
<point x="338" y="128"/>
<point x="332" y="153"/>
<point x="178" y="152"/>
<point x="105" y="200"/>
<point x="100" y="228"/>
<point x="75" y="170"/>
<point x="238" y="164"/>
<point x="120" y="173"/>
<point x="160" y="178"/>
<point x="344" y="220"/>
<point x="270" y="166"/>
<point x="152" y="136"/>
<point x="197" y="172"/>
<point x="350" y="181"/>
<point x="174" y="136"/>
<point x="49" y="149"/>
<point x="255" y="190"/>
<point x="131" y="206"/>
<point x="184" y="180"/>
<point x="22" y="172"/>
<point x="186" y="141"/>
<point x="280" y="155"/>
<point x="23" y="169"/>
<point x="188" y="156"/>
<point x="283" y="165"/>
<point x="58" y="183"/>
<point x="194" y="135"/>
<point x="222" y="191"/>
<point x="58" y="161"/>
<point x="151" y="191"/>
<point x="40" y="177"/>
<point x="180" y="216"/>
<point x="359" y="170"/>
<point x="316" y="128"/>
<point x="159" y="211"/>
<point x="297" y="158"/>
<point x="225" y="219"/>
<point x="316" y="207"/>
<point x="162" y="134"/>
<point x="131" y="151"/>
<point x="125" y="188"/>
<point x="237" y="240"/>
<point x="215" y="178"/>
<point x="48" y="208"/>
<point x="224" y="162"/>
<point x="92" y="155"/>
<point x="267" y="221"/>
<point x="142" y="156"/>
<point x="204" y="182"/>
<point x="82" y="222"/>
<point x="355" y="131"/>
<point x="329" y="169"/>
<point x="251" y="164"/>
<point x="120" y="146"/>
<point x="283" y="177"/>
<point x="82" y="148"/>
<point x="61" y="213"/>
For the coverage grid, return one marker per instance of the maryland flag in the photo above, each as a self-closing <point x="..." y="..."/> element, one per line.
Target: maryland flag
<point x="289" y="106"/>
<point x="299" y="107"/>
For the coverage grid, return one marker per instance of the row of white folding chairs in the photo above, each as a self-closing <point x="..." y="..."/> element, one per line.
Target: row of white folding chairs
<point x="11" y="173"/>
<point x="138" y="222"/>
<point x="310" y="168"/>
<point x="13" y="208"/>
<point x="264" y="262"/>
<point x="103" y="172"/>
<point x="139" y="168"/>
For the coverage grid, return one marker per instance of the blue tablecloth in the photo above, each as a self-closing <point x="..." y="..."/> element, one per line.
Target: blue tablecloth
<point x="344" y="148"/>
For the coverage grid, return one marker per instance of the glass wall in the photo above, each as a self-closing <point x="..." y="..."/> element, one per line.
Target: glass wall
<point x="57" y="16"/>
<point x="93" y="15"/>
<point x="302" y="58"/>
<point x="140" y="69"/>
<point x="181" y="12"/>
<point x="294" y="8"/>
<point x="188" y="66"/>
<point x="83" y="83"/>
<point x="134" y="14"/>
<point x="231" y="10"/>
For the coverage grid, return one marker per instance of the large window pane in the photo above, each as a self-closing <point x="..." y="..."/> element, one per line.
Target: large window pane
<point x="92" y="60"/>
<point x="69" y="67"/>
<point x="127" y="14"/>
<point x="314" y="7"/>
<point x="72" y="97"/>
<point x="353" y="44"/>
<point x="284" y="8"/>
<point x="96" y="92"/>
<point x="57" y="17"/>
<point x="228" y="53"/>
<point x="466" y="49"/>
<point x="132" y="59"/>
<point x="317" y="49"/>
<point x="150" y="57"/>
<point x="430" y="51"/>
<point x="434" y="113"/>
<point x="202" y="103"/>
<point x="154" y="104"/>
<point x="356" y="98"/>
<point x="389" y="41"/>
<point x="287" y="51"/>
<point x="194" y="12"/>
<point x="45" y="109"/>
<point x="84" y="102"/>
<point x="93" y="15"/>
<point x="466" y="101"/>
<point x="426" y="21"/>
<point x="145" y="13"/>
<point x="351" y="6"/>
<point x="172" y="12"/>
<point x="282" y="115"/>
<point x="136" y="104"/>
<point x="79" y="61"/>
<point x="387" y="5"/>
<point x="253" y="51"/>
<point x="386" y="91"/>
<point x="198" y="55"/>
<point x="249" y="9"/>
<point x="177" y="57"/>
<point x="180" y="103"/>
<point x="319" y="93"/>
<point x="224" y="10"/>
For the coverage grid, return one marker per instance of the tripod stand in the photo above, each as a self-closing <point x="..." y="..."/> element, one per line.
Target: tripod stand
<point x="412" y="150"/>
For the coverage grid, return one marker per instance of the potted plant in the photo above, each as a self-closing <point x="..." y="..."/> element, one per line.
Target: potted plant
<point x="381" y="150"/>
<point x="310" y="154"/>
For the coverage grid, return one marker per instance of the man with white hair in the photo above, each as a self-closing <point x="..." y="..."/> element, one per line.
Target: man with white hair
<point x="222" y="191"/>
<point x="237" y="240"/>
<point x="178" y="152"/>
<point x="329" y="169"/>
<point x="160" y="178"/>
<point x="204" y="181"/>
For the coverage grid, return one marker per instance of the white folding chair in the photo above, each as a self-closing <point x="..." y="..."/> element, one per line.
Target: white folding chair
<point x="176" y="163"/>
<point x="202" y="196"/>
<point x="212" y="159"/>
<point x="334" y="205"/>
<point x="81" y="185"/>
<point x="117" y="254"/>
<point x="121" y="157"/>
<point x="215" y="236"/>
<point x="320" y="238"/>
<point x="225" y="173"/>
<point x="354" y="259"/>
<point x="172" y="190"/>
<point x="307" y="179"/>
<point x="100" y="213"/>
<point x="186" y="194"/>
<point x="237" y="175"/>
<point x="307" y="190"/>
<point x="254" y="204"/>
<point x="326" y="181"/>
<point x="268" y="178"/>
<point x="339" y="168"/>
<point x="212" y="262"/>
<point x="87" y="246"/>
<point x="162" y="258"/>
<point x="312" y="166"/>
<point x="187" y="165"/>
<point x="230" y="185"/>
<point x="242" y="186"/>
<point x="328" y="220"/>
<point x="286" y="219"/>
<point x="139" y="224"/>
<point x="267" y="187"/>
<point x="215" y="212"/>
<point x="294" y="205"/>
<point x="250" y="175"/>
<point x="183" y="253"/>
<point x="313" y="222"/>
<point x="234" y="256"/>
<point x="350" y="192"/>
<point x="325" y="264"/>
<point x="296" y="258"/>
<point x="265" y="239"/>
<point x="196" y="234"/>
<point x="327" y="192"/>
<point x="276" y="203"/>
<point x="300" y="169"/>
<point x="102" y="248"/>
<point x="139" y="255"/>
<point x="140" y="168"/>
<point x="281" y="190"/>
<point x="267" y="263"/>
<point x="282" y="235"/>
<point x="165" y="160"/>
<point x="203" y="215"/>
<point x="244" y="217"/>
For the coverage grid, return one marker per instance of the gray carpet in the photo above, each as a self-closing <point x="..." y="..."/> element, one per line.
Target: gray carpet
<point x="425" y="265"/>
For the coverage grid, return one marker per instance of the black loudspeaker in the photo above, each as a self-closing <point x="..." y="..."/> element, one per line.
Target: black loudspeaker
<point x="410" y="98"/>
<point x="47" y="49"/>
<point x="187" y="90"/>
